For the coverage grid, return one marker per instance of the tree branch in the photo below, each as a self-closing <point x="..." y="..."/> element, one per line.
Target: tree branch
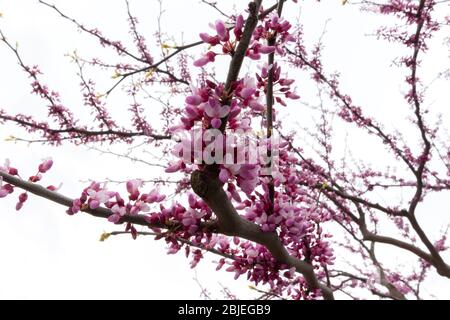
<point x="56" y="197"/>
<point x="270" y="102"/>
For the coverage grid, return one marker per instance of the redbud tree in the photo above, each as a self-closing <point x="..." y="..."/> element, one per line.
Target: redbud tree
<point x="292" y="208"/>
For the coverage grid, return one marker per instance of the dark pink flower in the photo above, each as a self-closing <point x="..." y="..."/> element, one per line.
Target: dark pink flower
<point x="209" y="39"/>
<point x="45" y="165"/>
<point x="133" y="188"/>
<point x="221" y="30"/>
<point x="194" y="100"/>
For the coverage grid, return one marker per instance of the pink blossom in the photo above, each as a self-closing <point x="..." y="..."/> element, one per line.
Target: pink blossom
<point x="209" y="39"/>
<point x="238" y="26"/>
<point x="98" y="198"/>
<point x="114" y="218"/>
<point x="133" y="188"/>
<point x="216" y="111"/>
<point x="207" y="58"/>
<point x="153" y="196"/>
<point x="192" y="112"/>
<point x="45" y="165"/>
<point x="174" y="166"/>
<point x="194" y="100"/>
<point x="292" y="95"/>
<point x="5" y="189"/>
<point x="8" y="169"/>
<point x="221" y="30"/>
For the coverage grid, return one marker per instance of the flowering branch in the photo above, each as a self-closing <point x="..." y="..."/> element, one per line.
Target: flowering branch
<point x="270" y="101"/>
<point x="276" y="228"/>
<point x="68" y="202"/>
<point x="207" y="185"/>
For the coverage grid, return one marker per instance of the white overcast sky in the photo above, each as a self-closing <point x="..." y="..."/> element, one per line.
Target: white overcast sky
<point x="47" y="254"/>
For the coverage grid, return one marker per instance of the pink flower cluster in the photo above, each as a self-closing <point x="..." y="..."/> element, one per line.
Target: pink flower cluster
<point x="205" y="106"/>
<point x="244" y="173"/>
<point x="56" y="110"/>
<point x="283" y="83"/>
<point x="254" y="260"/>
<point x="97" y="195"/>
<point x="7" y="189"/>
<point x="222" y="38"/>
<point x="259" y="266"/>
<point x="272" y="26"/>
<point x="189" y="218"/>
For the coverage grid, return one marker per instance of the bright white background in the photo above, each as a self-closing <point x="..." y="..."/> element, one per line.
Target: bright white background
<point x="47" y="254"/>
